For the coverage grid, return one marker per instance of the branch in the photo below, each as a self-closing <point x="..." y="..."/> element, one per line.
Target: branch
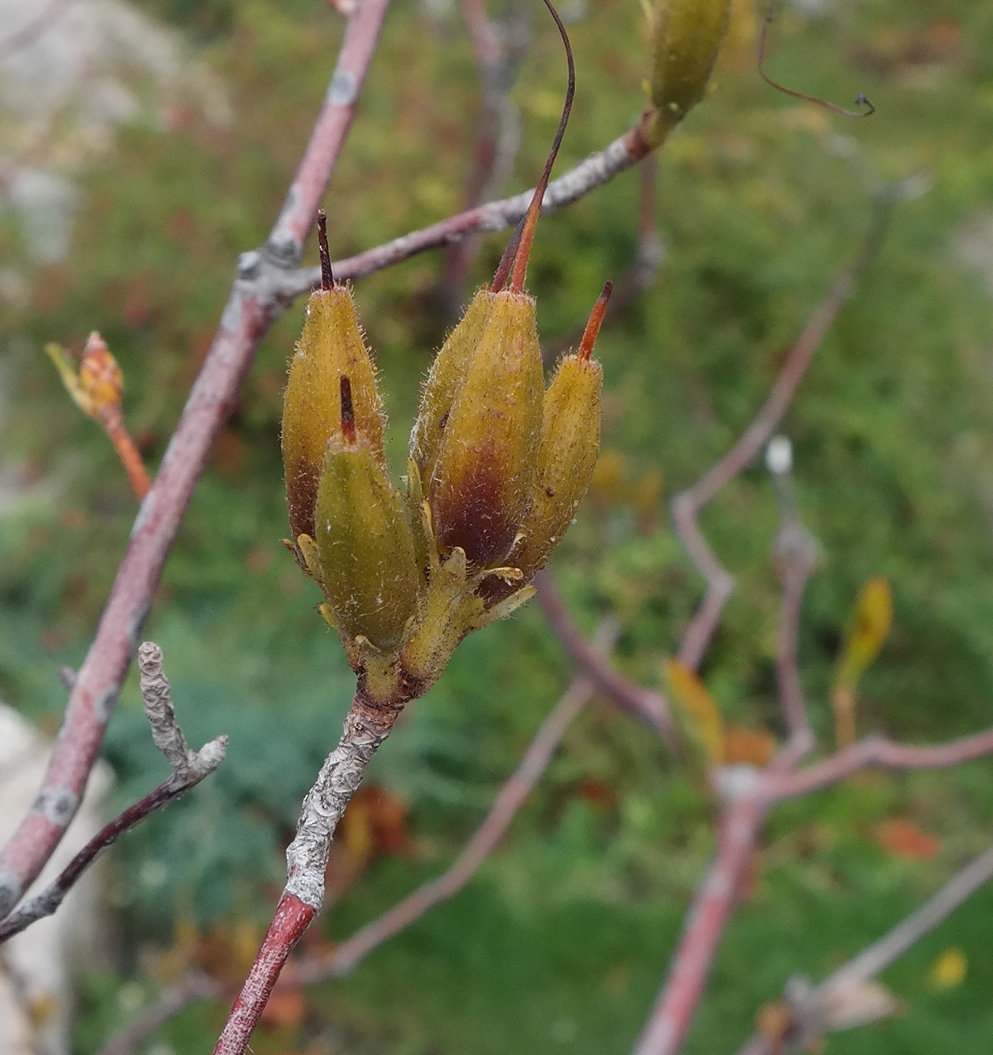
<point x="647" y="704"/>
<point x="196" y="986"/>
<point x="593" y="172"/>
<point x="367" y="725"/>
<point x="251" y="309"/>
<point x="877" y="751"/>
<point x="796" y="555"/>
<point x="814" y="1012"/>
<point x="512" y="797"/>
<point x="687" y="505"/>
<point x="188" y="769"/>
<point x="712" y="906"/>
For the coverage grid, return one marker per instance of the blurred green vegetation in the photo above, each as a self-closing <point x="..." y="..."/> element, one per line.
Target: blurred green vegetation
<point x="563" y="939"/>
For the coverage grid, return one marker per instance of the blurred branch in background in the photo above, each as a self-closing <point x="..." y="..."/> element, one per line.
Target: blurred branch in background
<point x="848" y="997"/>
<point x="188" y="769"/>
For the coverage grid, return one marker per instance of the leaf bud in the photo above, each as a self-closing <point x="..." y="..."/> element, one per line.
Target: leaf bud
<point x="364" y="543"/>
<point x="480" y="489"/>
<point x="331" y="346"/>
<point x="686" y="39"/>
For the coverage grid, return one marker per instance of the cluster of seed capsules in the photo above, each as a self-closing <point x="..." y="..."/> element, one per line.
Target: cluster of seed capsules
<point x="498" y="461"/>
<point x="498" y="464"/>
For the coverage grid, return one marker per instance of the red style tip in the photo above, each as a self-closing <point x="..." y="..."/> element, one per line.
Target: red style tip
<point x="347" y="411"/>
<point x="327" y="275"/>
<point x="596" y="318"/>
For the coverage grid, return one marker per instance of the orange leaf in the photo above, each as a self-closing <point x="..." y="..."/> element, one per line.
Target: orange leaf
<point x="904" y="839"/>
<point x="751" y="746"/>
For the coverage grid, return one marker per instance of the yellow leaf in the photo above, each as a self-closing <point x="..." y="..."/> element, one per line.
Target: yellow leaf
<point x="70" y="378"/>
<point x="948" y="970"/>
<point x="871" y="621"/>
<point x="698" y="706"/>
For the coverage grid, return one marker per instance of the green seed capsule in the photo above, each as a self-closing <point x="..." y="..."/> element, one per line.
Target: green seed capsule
<point x="480" y="489"/>
<point x="444" y="381"/>
<point x="366" y="550"/>
<point x="330" y="347"/>
<point x="686" y="39"/>
<point x="570" y="443"/>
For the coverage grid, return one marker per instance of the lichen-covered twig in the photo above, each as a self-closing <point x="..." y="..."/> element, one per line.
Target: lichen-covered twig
<point x="512" y="797"/>
<point x="188" y="769"/>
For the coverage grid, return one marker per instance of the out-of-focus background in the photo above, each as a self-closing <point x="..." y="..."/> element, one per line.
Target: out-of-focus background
<point x="143" y="145"/>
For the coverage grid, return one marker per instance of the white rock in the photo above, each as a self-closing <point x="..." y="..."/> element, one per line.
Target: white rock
<point x="35" y="966"/>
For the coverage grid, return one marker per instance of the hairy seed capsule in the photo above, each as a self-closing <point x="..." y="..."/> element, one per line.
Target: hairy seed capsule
<point x="480" y="489"/>
<point x="365" y="547"/>
<point x="331" y="346"/>
<point x="570" y="443"/>
<point x="444" y="380"/>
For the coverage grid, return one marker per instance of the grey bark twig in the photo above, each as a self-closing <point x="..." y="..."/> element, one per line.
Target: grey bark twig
<point x="815" y="1011"/>
<point x="188" y="769"/>
<point x="512" y="797"/>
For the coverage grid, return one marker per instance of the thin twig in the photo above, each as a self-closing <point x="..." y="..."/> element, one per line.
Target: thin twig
<point x="594" y="171"/>
<point x="687" y="505"/>
<point x="251" y="309"/>
<point x="512" y="796"/>
<point x="367" y="725"/>
<point x="647" y="704"/>
<point x="195" y="986"/>
<point x="713" y="903"/>
<point x="877" y="751"/>
<point x="811" y="1016"/>
<point x="796" y="555"/>
<point x="188" y="769"/>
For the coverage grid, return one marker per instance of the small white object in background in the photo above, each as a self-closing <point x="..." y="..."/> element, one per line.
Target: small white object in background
<point x="36" y="965"/>
<point x="779" y="456"/>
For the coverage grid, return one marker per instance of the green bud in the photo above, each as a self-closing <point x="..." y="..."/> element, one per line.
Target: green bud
<point x="480" y="489"/>
<point x="686" y="40"/>
<point x="331" y="346"/>
<point x="364" y="543"/>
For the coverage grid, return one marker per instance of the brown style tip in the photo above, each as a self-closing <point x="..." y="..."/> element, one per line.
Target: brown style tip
<point x="327" y="275"/>
<point x="596" y="318"/>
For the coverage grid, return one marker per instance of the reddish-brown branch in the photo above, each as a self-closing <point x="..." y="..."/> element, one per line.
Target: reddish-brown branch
<point x="647" y="704"/>
<point x="687" y="505"/>
<point x="113" y="424"/>
<point x="877" y="751"/>
<point x="367" y="724"/>
<point x="250" y="310"/>
<point x="715" y="899"/>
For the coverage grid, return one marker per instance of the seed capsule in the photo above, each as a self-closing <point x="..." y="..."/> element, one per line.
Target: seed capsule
<point x="686" y="39"/>
<point x="364" y="543"/>
<point x="447" y="374"/>
<point x="331" y="346"/>
<point x="480" y="489"/>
